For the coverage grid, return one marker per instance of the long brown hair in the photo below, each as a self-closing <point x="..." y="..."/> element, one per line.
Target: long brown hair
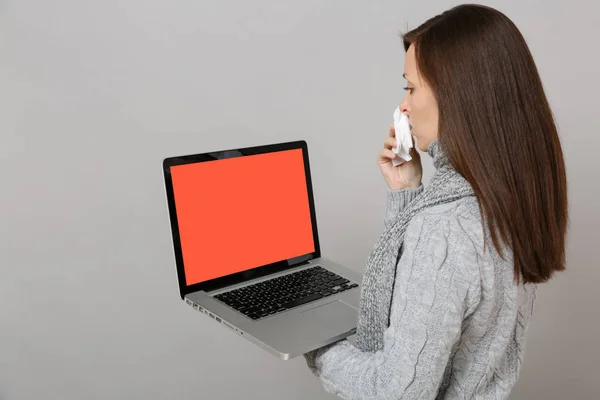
<point x="496" y="126"/>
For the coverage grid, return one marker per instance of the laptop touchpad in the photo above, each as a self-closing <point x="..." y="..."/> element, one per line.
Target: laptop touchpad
<point x="336" y="315"/>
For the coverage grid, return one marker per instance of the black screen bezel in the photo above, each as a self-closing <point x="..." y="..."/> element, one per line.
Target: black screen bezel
<point x="254" y="273"/>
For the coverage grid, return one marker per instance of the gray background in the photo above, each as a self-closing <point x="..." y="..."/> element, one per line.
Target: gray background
<point x="94" y="94"/>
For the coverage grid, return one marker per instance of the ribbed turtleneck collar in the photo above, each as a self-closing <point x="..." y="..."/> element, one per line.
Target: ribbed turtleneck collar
<point x="440" y="159"/>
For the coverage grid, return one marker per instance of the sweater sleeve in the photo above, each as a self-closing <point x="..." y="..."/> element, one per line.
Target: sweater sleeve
<point x="439" y="265"/>
<point x="397" y="200"/>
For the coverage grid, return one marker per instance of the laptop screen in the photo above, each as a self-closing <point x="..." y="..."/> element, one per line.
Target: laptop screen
<point x="240" y="213"/>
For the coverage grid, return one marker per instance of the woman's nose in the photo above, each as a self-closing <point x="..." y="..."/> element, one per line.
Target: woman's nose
<point x="404" y="106"/>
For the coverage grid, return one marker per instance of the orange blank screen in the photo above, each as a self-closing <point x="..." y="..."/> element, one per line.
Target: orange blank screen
<point x="241" y="213"/>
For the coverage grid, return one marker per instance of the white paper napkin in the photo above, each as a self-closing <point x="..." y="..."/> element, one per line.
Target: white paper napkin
<point x="403" y="138"/>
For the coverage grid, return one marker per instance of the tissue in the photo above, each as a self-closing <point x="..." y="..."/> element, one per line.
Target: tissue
<point x="403" y="138"/>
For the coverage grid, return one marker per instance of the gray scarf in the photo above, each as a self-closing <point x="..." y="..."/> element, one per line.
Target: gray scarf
<point x="446" y="185"/>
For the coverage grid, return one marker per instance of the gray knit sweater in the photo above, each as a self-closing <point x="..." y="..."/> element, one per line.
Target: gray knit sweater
<point x="457" y="320"/>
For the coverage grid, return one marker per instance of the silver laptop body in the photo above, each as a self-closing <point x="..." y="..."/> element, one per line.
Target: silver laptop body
<point x="287" y="307"/>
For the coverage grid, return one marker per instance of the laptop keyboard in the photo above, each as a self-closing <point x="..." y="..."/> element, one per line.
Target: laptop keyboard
<point x="285" y="292"/>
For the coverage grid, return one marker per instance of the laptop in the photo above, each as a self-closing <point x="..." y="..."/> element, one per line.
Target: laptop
<point x="247" y="249"/>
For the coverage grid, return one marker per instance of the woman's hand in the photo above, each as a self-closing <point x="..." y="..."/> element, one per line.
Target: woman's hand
<point x="310" y="358"/>
<point x="404" y="176"/>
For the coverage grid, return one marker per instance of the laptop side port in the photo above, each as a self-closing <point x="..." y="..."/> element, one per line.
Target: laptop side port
<point x="227" y="325"/>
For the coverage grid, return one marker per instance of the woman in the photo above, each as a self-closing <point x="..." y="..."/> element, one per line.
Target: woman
<point x="449" y="288"/>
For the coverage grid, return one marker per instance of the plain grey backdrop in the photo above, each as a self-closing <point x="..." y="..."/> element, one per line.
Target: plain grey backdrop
<point x="94" y="94"/>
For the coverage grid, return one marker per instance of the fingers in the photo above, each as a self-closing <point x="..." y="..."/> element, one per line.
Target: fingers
<point x="385" y="156"/>
<point x="389" y="143"/>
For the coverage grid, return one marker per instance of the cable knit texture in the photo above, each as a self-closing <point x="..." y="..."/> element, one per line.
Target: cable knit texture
<point x="448" y="322"/>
